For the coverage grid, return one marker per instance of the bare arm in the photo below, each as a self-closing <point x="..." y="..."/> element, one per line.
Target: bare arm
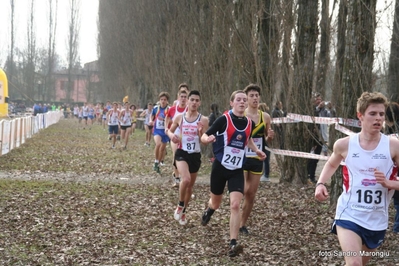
<point x="171" y="132"/>
<point x="339" y="151"/>
<point x="269" y="133"/>
<point x="253" y="147"/>
<point x="380" y="176"/>
<point x="203" y="125"/>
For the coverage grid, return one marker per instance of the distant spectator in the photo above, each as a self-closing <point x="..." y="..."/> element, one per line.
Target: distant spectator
<point x="36" y="109"/>
<point x="331" y="109"/>
<point x="324" y="112"/>
<point x="315" y="139"/>
<point x="45" y="108"/>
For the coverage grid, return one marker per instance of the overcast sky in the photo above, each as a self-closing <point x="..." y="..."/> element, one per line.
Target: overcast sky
<point x="88" y="29"/>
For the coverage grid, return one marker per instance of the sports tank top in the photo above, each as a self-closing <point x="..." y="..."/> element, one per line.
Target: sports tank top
<point x="364" y="201"/>
<point x="257" y="136"/>
<point x="126" y="118"/>
<point x="113" y="118"/>
<point x="229" y="148"/>
<point x="190" y="141"/>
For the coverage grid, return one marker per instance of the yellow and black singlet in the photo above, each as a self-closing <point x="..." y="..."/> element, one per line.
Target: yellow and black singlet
<point x="258" y="133"/>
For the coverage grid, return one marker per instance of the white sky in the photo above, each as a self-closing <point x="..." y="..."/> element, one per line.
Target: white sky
<point x="88" y="28"/>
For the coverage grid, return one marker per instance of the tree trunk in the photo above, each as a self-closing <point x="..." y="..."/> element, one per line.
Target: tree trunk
<point x="295" y="168"/>
<point x="359" y="53"/>
<point x="288" y="24"/>
<point x="324" y="56"/>
<point x="336" y="179"/>
<point x="393" y="76"/>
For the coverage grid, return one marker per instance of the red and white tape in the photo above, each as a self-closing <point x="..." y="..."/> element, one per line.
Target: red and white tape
<point x="295" y="118"/>
<point x="298" y="154"/>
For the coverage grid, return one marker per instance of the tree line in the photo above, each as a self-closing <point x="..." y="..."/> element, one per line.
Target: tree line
<point x="291" y="48"/>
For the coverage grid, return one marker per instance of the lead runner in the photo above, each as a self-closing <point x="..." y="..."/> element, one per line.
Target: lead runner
<point x="230" y="134"/>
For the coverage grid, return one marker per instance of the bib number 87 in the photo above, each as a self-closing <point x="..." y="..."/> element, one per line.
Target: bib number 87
<point x="190" y="146"/>
<point x="369" y="196"/>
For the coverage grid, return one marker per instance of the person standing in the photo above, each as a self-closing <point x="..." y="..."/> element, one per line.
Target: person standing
<point x="253" y="166"/>
<point x="191" y="125"/>
<point x="369" y="181"/>
<point x="315" y="139"/>
<point x="230" y="135"/>
<point x="158" y="122"/>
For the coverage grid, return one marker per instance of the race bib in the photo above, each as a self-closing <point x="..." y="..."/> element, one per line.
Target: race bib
<point x="160" y="124"/>
<point x="259" y="143"/>
<point x="368" y="199"/>
<point x="232" y="158"/>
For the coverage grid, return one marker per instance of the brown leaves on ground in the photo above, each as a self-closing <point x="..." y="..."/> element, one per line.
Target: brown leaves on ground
<point x="68" y="199"/>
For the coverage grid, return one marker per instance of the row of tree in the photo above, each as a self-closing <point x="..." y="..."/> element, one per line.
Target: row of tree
<point x="221" y="46"/>
<point x="30" y="69"/>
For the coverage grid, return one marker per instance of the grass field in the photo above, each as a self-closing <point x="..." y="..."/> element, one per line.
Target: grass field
<point x="68" y="199"/>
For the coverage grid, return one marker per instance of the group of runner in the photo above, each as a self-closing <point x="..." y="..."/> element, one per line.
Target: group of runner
<point x="239" y="133"/>
<point x="239" y="137"/>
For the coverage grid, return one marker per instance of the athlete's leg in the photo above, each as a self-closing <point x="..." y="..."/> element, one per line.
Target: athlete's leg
<point x="250" y="189"/>
<point x="350" y="243"/>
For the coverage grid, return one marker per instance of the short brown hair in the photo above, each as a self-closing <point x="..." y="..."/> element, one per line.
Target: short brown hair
<point x="233" y="95"/>
<point x="252" y="87"/>
<point x="164" y="94"/>
<point x="183" y="85"/>
<point x="368" y="98"/>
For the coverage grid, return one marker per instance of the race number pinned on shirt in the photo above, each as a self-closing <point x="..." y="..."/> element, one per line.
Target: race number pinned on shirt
<point x="232" y="158"/>
<point x="259" y="144"/>
<point x="160" y="124"/>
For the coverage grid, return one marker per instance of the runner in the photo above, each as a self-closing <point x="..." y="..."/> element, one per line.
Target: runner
<point x="148" y="128"/>
<point x="231" y="134"/>
<point x="253" y="166"/>
<point x="113" y="123"/>
<point x="369" y="181"/>
<point x="191" y="125"/>
<point x="173" y="112"/>
<point x="158" y="122"/>
<point x="125" y="120"/>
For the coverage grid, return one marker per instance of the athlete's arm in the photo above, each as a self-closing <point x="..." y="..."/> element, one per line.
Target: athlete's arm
<point x="269" y="133"/>
<point x="203" y="126"/>
<point x="380" y="176"/>
<point x="171" y="132"/>
<point x="339" y="151"/>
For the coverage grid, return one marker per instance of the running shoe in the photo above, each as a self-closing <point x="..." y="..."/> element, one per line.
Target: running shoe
<point x="264" y="179"/>
<point x="183" y="220"/>
<point x="206" y="217"/>
<point x="234" y="250"/>
<point x="176" y="182"/>
<point x="161" y="163"/>
<point x="156" y="166"/>
<point x="178" y="213"/>
<point x="244" y="230"/>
